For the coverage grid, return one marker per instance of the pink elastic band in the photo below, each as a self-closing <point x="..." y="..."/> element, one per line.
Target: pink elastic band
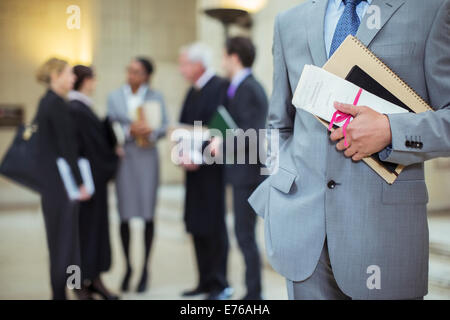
<point x="340" y="116"/>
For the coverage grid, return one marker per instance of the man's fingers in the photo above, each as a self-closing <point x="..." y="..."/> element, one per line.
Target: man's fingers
<point x="337" y="134"/>
<point x="358" y="157"/>
<point x="341" y="145"/>
<point x="346" y="108"/>
<point x="350" y="152"/>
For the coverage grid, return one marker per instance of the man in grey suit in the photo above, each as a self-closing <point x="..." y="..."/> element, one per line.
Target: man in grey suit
<point x="333" y="227"/>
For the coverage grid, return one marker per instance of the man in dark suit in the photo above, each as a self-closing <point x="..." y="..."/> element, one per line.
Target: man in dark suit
<point x="204" y="211"/>
<point x="247" y="104"/>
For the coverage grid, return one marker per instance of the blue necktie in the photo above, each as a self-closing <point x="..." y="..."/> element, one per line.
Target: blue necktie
<point x="347" y="24"/>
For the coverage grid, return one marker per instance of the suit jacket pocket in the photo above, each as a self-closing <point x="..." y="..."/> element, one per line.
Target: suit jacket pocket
<point x="394" y="49"/>
<point x="282" y="212"/>
<point x="405" y="192"/>
<point x="283" y="180"/>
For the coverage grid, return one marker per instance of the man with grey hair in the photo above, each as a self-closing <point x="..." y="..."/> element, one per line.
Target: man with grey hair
<point x="204" y="208"/>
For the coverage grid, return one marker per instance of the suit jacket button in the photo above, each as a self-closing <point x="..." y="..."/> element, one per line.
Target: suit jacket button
<point x="408" y="144"/>
<point x="331" y="185"/>
<point x="420" y="145"/>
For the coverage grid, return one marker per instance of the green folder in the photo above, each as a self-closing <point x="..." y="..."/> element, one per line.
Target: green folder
<point x="222" y="121"/>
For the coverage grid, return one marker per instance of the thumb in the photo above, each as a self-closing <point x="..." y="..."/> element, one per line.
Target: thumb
<point x="346" y="108"/>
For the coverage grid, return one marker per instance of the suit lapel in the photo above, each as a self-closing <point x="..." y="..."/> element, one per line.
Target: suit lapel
<point x="366" y="32"/>
<point x="148" y="94"/>
<point x="240" y="85"/>
<point x="232" y="102"/>
<point x="315" y="27"/>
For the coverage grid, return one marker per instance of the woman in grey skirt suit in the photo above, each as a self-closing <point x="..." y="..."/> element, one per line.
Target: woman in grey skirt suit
<point x="138" y="175"/>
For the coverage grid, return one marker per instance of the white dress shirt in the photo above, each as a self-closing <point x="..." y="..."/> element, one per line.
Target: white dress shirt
<point x="134" y="100"/>
<point x="240" y="77"/>
<point x="204" y="79"/>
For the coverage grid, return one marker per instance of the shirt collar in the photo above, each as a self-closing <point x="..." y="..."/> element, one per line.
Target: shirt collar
<point x="337" y="3"/>
<point x="240" y="77"/>
<point x="77" y="95"/>
<point x="142" y="91"/>
<point x="204" y="79"/>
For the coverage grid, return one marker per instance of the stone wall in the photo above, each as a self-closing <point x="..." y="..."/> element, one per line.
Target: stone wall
<point x="111" y="33"/>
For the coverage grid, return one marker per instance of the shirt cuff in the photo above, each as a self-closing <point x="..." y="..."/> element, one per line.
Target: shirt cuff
<point x="384" y="154"/>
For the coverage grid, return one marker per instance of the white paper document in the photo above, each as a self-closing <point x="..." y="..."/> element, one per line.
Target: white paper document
<point x="152" y="112"/>
<point x="119" y="133"/>
<point x="317" y="90"/>
<point x="69" y="180"/>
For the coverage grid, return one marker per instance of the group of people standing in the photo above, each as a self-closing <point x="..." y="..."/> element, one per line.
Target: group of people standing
<point x="247" y="104"/>
<point x="78" y="231"/>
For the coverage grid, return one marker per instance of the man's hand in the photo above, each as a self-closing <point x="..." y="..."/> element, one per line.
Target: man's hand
<point x="216" y="146"/>
<point x="84" y="195"/>
<point x="120" y="151"/>
<point x="368" y="133"/>
<point x="187" y="164"/>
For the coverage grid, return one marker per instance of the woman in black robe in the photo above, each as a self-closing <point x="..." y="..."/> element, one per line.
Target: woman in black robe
<point x="56" y="139"/>
<point x="94" y="144"/>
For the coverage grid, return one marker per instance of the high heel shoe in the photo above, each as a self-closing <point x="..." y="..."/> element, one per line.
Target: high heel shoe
<point x="84" y="294"/>
<point x="98" y="287"/>
<point x="142" y="287"/>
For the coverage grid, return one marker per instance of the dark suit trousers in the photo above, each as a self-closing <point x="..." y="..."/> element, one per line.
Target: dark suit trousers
<point x="212" y="256"/>
<point x="245" y="225"/>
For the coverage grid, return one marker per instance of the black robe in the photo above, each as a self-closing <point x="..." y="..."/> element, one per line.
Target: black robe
<point x="204" y="208"/>
<point x="94" y="144"/>
<point x="56" y="138"/>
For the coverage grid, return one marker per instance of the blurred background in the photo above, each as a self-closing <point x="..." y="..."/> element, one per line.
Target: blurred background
<point x="110" y="34"/>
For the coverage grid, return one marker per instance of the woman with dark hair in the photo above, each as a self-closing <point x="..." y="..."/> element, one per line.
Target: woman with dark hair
<point x="94" y="144"/>
<point x="56" y="139"/>
<point x="142" y="113"/>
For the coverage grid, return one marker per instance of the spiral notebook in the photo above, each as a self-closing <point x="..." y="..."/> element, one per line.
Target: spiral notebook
<point x="356" y="63"/>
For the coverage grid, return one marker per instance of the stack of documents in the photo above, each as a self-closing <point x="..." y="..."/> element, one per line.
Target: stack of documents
<point x="119" y="133"/>
<point x="355" y="63"/>
<point x="318" y="89"/>
<point x="68" y="179"/>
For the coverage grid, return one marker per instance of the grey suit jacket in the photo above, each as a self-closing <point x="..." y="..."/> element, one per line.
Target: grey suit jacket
<point x="368" y="223"/>
<point x="118" y="111"/>
<point x="137" y="178"/>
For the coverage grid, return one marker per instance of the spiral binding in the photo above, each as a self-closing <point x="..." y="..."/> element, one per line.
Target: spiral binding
<point x="403" y="83"/>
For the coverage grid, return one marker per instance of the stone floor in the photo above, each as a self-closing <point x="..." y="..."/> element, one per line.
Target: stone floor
<point x="24" y="270"/>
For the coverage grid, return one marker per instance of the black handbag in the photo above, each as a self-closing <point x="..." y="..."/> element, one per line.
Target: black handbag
<point x="20" y="162"/>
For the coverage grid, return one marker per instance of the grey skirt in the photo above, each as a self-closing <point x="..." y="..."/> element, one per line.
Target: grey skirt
<point x="137" y="182"/>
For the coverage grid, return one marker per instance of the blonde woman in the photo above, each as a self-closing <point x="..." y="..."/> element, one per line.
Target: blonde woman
<point x="57" y="139"/>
